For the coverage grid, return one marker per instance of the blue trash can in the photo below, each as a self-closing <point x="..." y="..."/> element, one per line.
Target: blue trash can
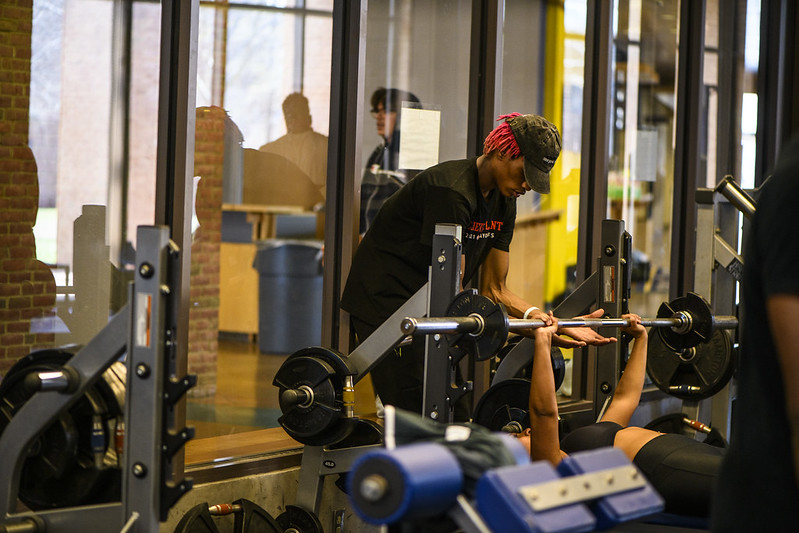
<point x="289" y="295"/>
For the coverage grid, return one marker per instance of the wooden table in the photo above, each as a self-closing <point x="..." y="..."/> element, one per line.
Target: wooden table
<point x="262" y="217"/>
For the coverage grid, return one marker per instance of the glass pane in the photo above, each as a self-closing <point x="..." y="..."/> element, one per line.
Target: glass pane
<point x="263" y="93"/>
<point x="143" y="120"/>
<point x="324" y="5"/>
<point x="63" y="273"/>
<point x="749" y="107"/>
<point x="415" y="115"/>
<point x="409" y="60"/>
<point x="67" y="125"/>
<point x="640" y="180"/>
<point x="543" y="254"/>
<point x="542" y="270"/>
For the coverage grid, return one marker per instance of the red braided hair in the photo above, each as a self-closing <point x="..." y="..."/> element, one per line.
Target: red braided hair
<point x="501" y="138"/>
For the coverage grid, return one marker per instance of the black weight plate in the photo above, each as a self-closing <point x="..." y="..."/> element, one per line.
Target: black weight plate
<point x="338" y="361"/>
<point x="558" y="364"/>
<point x="296" y="518"/>
<point x="495" y="329"/>
<point x="254" y="519"/>
<point x="59" y="470"/>
<point x="701" y="329"/>
<point x="197" y="520"/>
<point x="365" y="433"/>
<point x="673" y="423"/>
<point x="302" y="423"/>
<point x="505" y="402"/>
<point x="697" y="373"/>
<point x="324" y="371"/>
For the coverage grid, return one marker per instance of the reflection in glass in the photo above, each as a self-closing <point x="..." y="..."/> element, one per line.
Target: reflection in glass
<point x="260" y="164"/>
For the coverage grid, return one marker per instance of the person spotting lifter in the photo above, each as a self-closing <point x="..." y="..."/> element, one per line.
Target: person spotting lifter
<point x="479" y="194"/>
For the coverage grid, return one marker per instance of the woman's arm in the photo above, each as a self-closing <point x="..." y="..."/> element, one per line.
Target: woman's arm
<point x="631" y="384"/>
<point x="544" y="439"/>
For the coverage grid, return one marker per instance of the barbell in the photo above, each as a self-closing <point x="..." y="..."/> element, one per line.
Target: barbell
<point x="475" y="324"/>
<point x="480" y="326"/>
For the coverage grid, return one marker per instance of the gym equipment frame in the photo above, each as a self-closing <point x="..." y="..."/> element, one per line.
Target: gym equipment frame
<point x="143" y="331"/>
<point x="318" y="459"/>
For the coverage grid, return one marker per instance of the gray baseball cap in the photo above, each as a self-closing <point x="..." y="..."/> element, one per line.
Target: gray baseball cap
<point x="539" y="142"/>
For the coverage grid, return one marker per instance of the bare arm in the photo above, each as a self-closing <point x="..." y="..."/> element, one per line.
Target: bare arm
<point x="628" y="391"/>
<point x="544" y="440"/>
<point x="782" y="312"/>
<point x="493" y="276"/>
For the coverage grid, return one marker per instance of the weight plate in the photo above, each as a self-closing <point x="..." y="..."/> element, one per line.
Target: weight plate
<point x="701" y="328"/>
<point x="495" y="329"/>
<point x="558" y="366"/>
<point x="505" y="402"/>
<point x="558" y="362"/>
<point x="338" y="361"/>
<point x="695" y="373"/>
<point x="674" y="423"/>
<point x="365" y="433"/>
<point x="304" y="423"/>
<point x="321" y="421"/>
<point x="296" y="519"/>
<point x="60" y="470"/>
<point x="197" y="520"/>
<point x="254" y="519"/>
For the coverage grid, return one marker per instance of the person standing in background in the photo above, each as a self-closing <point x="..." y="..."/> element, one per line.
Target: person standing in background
<point x="382" y="176"/>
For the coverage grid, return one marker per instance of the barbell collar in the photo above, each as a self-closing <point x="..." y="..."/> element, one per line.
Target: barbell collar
<point x="472" y="324"/>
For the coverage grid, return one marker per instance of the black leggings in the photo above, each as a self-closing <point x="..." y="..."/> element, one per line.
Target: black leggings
<point x="682" y="470"/>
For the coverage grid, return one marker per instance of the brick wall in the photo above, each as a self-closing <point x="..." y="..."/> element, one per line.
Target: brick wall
<point x="209" y="157"/>
<point x="27" y="287"/>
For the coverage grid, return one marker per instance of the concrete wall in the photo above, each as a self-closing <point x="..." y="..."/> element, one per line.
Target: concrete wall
<point x="272" y="491"/>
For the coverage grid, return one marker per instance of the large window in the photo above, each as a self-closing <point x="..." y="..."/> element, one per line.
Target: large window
<point x="260" y="202"/>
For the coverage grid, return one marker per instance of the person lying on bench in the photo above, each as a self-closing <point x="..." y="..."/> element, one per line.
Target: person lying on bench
<point x="680" y="468"/>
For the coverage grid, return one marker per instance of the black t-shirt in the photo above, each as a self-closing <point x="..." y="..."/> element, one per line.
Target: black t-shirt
<point x="756" y="489"/>
<point x="392" y="261"/>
